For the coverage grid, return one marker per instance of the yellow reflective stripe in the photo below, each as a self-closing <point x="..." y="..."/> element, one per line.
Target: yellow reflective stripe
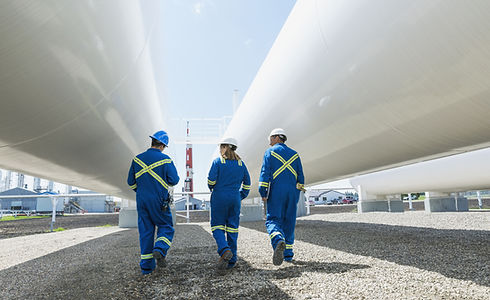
<point x="151" y="172"/>
<point x="133" y="186"/>
<point x="272" y="235"/>
<point x="220" y="227"/>
<point x="289" y="246"/>
<point x="147" y="256"/>
<point x="264" y="184"/>
<point x="164" y="239"/>
<point x="231" y="229"/>
<point x="223" y="161"/>
<point x="211" y="182"/>
<point x="240" y="162"/>
<point x="159" y="179"/>
<point x="285" y="164"/>
<point x="245" y="187"/>
<point x="152" y="166"/>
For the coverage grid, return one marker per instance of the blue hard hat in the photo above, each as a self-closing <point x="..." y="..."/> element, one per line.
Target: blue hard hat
<point x="160" y="136"/>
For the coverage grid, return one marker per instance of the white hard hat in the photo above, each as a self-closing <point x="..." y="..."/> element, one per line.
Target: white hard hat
<point x="229" y="141"/>
<point x="277" y="131"/>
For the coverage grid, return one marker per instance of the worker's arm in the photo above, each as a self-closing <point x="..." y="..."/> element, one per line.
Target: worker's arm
<point x="301" y="177"/>
<point x="245" y="183"/>
<point x="171" y="174"/>
<point x="265" y="176"/>
<point x="131" y="179"/>
<point x="213" y="174"/>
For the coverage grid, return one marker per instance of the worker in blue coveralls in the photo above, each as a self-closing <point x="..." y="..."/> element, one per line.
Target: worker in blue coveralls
<point x="227" y="175"/>
<point x="281" y="179"/>
<point x="151" y="175"/>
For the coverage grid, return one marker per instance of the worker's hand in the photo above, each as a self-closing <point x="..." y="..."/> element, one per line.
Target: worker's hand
<point x="264" y="199"/>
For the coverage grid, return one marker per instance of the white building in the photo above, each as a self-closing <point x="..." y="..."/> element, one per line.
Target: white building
<point x="323" y="196"/>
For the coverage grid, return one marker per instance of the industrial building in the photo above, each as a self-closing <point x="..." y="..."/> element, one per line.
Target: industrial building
<point x="195" y="204"/>
<point x="35" y="204"/>
<point x="323" y="196"/>
<point x="91" y="204"/>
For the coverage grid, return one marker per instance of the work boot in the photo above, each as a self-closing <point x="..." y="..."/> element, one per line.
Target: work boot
<point x="223" y="262"/>
<point x="161" y="262"/>
<point x="278" y="256"/>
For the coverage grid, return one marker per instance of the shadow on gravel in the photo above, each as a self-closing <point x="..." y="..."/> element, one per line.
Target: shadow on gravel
<point x="296" y="268"/>
<point x="107" y="268"/>
<point x="191" y="273"/>
<point x="103" y="268"/>
<point x="459" y="254"/>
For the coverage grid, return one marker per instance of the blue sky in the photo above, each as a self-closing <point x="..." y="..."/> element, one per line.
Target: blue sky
<point x="211" y="48"/>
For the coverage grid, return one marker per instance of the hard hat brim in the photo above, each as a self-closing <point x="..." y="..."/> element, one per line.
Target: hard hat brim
<point x="158" y="140"/>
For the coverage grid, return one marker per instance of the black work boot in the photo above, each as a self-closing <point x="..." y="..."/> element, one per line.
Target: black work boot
<point x="223" y="262"/>
<point x="161" y="262"/>
<point x="278" y="256"/>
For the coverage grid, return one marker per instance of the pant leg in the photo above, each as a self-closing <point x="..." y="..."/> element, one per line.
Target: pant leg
<point x="274" y="218"/>
<point x="289" y="222"/>
<point x="146" y="230"/>
<point x="232" y="224"/>
<point x="165" y="229"/>
<point x="219" y="211"/>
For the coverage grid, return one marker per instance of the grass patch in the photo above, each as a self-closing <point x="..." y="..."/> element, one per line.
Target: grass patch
<point x="57" y="229"/>
<point x="12" y="218"/>
<point x="106" y="225"/>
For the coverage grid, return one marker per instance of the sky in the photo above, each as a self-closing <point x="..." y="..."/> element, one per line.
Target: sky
<point x="211" y="48"/>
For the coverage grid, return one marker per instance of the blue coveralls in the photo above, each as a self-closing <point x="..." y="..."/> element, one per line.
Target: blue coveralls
<point x="150" y="175"/>
<point x="224" y="180"/>
<point x="280" y="178"/>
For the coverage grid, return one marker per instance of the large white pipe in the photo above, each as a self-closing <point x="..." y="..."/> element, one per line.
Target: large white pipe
<point x="457" y="173"/>
<point x="366" y="85"/>
<point x="79" y="96"/>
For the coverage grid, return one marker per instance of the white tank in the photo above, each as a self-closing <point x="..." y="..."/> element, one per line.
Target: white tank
<point x="79" y="96"/>
<point x="366" y="85"/>
<point x="456" y="173"/>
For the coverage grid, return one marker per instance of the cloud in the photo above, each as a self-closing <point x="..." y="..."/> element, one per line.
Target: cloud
<point x="248" y="42"/>
<point x="198" y="7"/>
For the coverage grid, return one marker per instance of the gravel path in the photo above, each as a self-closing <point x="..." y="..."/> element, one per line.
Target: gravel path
<point x="338" y="256"/>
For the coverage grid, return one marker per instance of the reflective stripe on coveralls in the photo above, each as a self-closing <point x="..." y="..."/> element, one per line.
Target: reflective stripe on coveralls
<point x="224" y="228"/>
<point x="151" y="192"/>
<point x="282" y="192"/>
<point x="150" y="171"/>
<point x="165" y="240"/>
<point x="286" y="164"/>
<point x="147" y="256"/>
<point x="229" y="182"/>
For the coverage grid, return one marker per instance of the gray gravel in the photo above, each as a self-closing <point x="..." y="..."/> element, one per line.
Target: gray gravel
<point x="338" y="256"/>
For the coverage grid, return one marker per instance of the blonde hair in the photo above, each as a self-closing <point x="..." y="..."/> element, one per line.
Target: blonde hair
<point x="229" y="152"/>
